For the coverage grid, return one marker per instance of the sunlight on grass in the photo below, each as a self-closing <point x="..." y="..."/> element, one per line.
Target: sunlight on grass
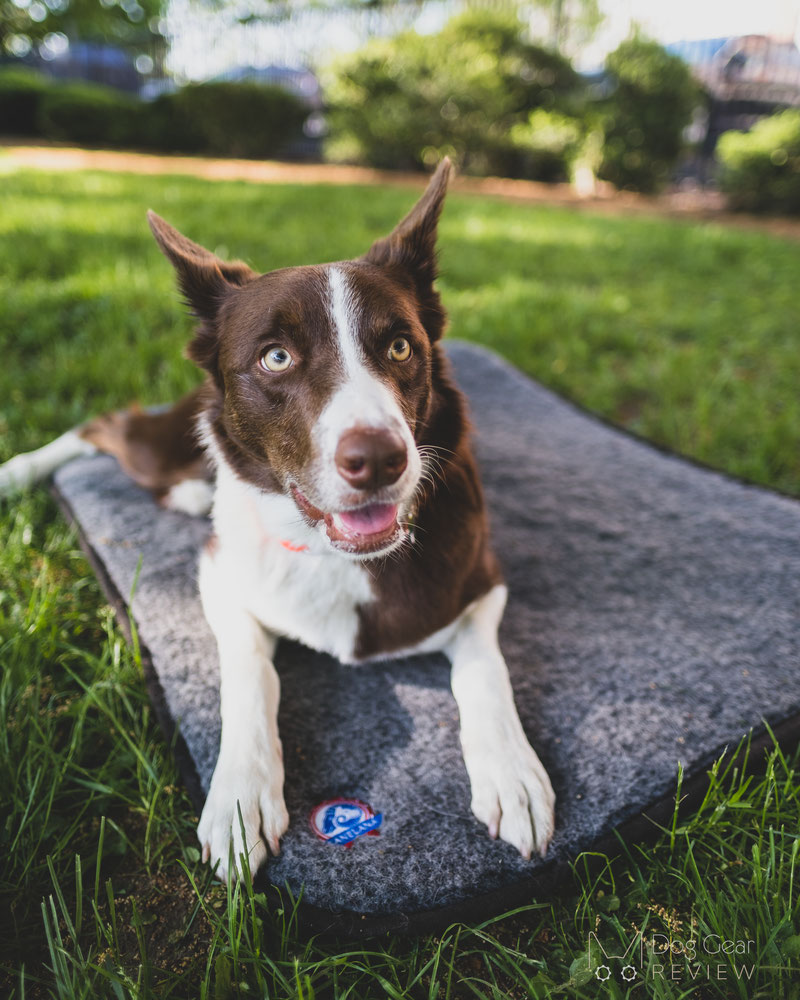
<point x="484" y="226"/>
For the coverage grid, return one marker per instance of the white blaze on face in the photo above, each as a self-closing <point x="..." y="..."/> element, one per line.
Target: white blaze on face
<point x="361" y="400"/>
<point x="344" y="317"/>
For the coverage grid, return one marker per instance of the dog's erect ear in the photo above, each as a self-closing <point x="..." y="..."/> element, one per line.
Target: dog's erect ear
<point x="202" y="276"/>
<point x="204" y="279"/>
<point x="412" y="243"/>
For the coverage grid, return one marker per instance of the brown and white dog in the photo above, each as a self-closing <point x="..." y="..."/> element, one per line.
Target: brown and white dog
<point x="347" y="509"/>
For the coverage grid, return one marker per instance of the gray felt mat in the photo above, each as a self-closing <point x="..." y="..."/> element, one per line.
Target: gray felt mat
<point x="654" y="617"/>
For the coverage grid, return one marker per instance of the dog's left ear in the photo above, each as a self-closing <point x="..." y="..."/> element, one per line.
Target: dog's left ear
<point x="411" y="247"/>
<point x="202" y="276"/>
<point x="205" y="280"/>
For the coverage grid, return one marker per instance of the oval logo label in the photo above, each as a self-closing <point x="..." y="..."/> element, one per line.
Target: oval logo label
<point x="341" y="821"/>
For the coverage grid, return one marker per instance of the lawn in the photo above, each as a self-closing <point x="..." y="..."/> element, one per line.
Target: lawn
<point x="684" y="333"/>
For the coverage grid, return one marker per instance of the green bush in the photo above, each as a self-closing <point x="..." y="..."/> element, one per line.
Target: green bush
<point x="407" y="101"/>
<point x="546" y="143"/>
<point x="90" y="113"/>
<point x="760" y="169"/>
<point x="164" y="126"/>
<point x="21" y="92"/>
<point x="231" y="119"/>
<point x="643" y="120"/>
<point x="226" y="119"/>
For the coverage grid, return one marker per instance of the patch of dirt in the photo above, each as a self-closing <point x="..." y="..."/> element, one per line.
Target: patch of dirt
<point x="159" y="910"/>
<point x="696" y="204"/>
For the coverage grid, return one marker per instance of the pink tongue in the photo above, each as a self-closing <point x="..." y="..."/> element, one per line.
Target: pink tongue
<point x="369" y="520"/>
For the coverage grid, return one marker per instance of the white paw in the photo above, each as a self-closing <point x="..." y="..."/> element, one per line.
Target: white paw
<point x="31" y="467"/>
<point x="190" y="496"/>
<point x="17" y="474"/>
<point x="258" y="792"/>
<point x="511" y="792"/>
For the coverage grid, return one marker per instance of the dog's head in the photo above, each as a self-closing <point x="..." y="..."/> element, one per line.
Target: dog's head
<point x="323" y="375"/>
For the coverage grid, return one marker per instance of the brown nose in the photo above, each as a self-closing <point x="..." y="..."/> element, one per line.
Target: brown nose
<point x="369" y="458"/>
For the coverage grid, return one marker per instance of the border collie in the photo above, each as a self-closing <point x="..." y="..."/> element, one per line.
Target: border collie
<point x="347" y="509"/>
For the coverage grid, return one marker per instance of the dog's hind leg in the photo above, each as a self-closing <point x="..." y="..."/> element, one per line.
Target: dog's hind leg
<point x="159" y="450"/>
<point x="32" y="467"/>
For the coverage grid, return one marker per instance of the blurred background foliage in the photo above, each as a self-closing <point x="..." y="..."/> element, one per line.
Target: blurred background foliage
<point x="129" y="24"/>
<point x="480" y="93"/>
<point x="494" y="88"/>
<point x="407" y="101"/>
<point x="761" y="168"/>
<point x="216" y="118"/>
<point x="652" y="100"/>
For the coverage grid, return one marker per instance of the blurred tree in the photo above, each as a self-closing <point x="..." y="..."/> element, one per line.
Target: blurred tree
<point x="132" y="25"/>
<point x="406" y="101"/>
<point x="644" y="117"/>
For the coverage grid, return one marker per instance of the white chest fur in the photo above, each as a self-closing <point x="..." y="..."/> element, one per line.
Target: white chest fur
<point x="309" y="595"/>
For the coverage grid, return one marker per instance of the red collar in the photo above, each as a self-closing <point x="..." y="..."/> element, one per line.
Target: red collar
<point x="291" y="546"/>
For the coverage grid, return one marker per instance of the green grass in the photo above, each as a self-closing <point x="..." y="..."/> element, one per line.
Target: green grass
<point x="683" y="332"/>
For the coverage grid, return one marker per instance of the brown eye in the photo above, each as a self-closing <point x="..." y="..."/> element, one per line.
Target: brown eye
<point x="277" y="359"/>
<point x="400" y="349"/>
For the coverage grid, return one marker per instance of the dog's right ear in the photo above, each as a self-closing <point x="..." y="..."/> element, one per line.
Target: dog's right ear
<point x="204" y="279"/>
<point x="411" y="249"/>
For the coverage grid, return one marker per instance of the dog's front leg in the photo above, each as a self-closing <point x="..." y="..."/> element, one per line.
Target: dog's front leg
<point x="511" y="792"/>
<point x="249" y="770"/>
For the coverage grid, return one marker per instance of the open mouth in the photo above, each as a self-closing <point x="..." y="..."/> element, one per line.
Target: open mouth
<point x="359" y="530"/>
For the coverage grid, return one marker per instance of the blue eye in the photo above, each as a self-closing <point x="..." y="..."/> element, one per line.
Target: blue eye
<point x="277" y="359"/>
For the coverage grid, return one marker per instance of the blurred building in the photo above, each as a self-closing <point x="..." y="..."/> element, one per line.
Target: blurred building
<point x="746" y="78"/>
